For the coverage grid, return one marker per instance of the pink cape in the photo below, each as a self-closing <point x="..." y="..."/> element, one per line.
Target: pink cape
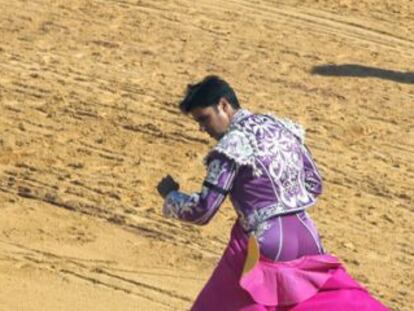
<point x="309" y="283"/>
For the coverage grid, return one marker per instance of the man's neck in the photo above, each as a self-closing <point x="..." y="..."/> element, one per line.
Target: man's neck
<point x="233" y="113"/>
<point x="239" y="114"/>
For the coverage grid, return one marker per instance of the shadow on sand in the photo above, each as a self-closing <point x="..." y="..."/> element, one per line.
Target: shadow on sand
<point x="352" y="70"/>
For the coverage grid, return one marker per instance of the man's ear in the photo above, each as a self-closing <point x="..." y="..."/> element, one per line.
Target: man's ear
<point x="224" y="104"/>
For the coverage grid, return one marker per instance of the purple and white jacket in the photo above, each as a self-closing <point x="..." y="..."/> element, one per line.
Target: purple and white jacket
<point x="263" y="163"/>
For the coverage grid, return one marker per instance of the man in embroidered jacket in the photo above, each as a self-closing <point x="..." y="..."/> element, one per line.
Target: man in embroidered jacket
<point x="262" y="162"/>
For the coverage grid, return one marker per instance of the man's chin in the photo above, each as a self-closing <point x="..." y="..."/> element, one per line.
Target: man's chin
<point x="217" y="137"/>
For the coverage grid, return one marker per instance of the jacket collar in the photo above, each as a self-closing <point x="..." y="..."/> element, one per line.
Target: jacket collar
<point x="238" y="116"/>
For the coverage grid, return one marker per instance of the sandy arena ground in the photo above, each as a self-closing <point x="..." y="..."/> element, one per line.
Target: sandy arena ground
<point x="89" y="125"/>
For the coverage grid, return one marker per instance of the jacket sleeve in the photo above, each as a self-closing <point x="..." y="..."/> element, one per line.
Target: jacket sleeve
<point x="313" y="179"/>
<point x="200" y="207"/>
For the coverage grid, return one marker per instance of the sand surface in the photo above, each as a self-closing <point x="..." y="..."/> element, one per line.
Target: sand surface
<point x="89" y="125"/>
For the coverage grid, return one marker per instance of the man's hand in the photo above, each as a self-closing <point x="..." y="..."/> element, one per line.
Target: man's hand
<point x="166" y="185"/>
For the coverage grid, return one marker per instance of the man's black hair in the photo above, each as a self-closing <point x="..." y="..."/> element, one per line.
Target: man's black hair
<point x="208" y="93"/>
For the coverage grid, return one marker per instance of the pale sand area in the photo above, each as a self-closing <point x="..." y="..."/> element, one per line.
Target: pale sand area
<point x="89" y="125"/>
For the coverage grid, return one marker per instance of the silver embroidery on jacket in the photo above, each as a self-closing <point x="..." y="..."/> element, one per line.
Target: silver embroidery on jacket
<point x="254" y="139"/>
<point x="177" y="203"/>
<point x="214" y="170"/>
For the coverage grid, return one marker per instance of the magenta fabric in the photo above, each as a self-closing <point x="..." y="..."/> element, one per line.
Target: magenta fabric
<point x="309" y="283"/>
<point x="289" y="283"/>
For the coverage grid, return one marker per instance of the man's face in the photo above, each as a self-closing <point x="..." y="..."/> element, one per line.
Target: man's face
<point x="214" y="120"/>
